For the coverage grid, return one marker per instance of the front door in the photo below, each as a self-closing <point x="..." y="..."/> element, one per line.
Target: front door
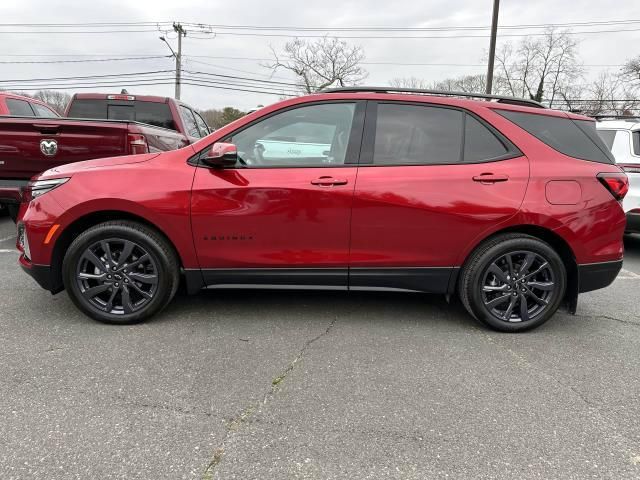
<point x="281" y="216"/>
<point x="432" y="180"/>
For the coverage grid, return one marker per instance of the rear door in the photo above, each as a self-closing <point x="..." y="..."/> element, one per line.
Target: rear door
<point x="432" y="179"/>
<point x="282" y="215"/>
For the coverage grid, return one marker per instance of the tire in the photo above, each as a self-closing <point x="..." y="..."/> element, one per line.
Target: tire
<point x="494" y="293"/>
<point x="121" y="290"/>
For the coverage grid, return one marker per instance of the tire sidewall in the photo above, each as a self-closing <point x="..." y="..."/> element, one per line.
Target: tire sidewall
<point x="104" y="232"/>
<point x="492" y="254"/>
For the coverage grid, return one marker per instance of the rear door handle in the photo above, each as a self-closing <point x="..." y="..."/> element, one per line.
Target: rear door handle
<point x="328" y="181"/>
<point x="490" y="178"/>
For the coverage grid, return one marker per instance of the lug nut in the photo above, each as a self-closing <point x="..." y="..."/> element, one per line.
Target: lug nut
<point x="117" y="285"/>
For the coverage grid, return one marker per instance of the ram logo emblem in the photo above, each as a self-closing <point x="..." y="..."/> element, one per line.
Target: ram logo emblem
<point x="49" y="147"/>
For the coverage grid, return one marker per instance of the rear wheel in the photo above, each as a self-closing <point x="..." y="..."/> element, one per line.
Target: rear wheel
<point x="513" y="283"/>
<point x="120" y="272"/>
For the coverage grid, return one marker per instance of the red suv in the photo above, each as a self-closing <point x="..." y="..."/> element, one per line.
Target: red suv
<point x="513" y="206"/>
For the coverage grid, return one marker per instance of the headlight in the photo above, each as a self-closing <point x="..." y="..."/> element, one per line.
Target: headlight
<point x="40" y="187"/>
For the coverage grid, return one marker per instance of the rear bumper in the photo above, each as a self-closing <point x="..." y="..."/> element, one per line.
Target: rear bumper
<point x="633" y="223"/>
<point x="594" y="276"/>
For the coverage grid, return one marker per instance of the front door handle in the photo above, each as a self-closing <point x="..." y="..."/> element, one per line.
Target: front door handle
<point x="328" y="181"/>
<point x="490" y="178"/>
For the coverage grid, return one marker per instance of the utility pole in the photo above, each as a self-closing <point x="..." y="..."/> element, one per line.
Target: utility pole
<point x="181" y="33"/>
<point x="492" y="46"/>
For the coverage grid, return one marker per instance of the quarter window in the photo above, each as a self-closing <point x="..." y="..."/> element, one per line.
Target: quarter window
<point x="309" y="136"/>
<point x="19" y="107"/>
<point x="607" y="136"/>
<point x="202" y="125"/>
<point x="418" y="135"/>
<point x="575" y="138"/>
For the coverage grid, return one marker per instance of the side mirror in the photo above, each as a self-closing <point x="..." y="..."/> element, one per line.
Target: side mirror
<point x="221" y="155"/>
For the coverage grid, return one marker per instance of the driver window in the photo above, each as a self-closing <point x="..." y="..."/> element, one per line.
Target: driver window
<point x="311" y="136"/>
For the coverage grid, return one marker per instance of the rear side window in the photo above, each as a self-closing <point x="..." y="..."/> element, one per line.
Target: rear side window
<point x="151" y="113"/>
<point x="417" y="135"/>
<point x="575" y="138"/>
<point x="480" y="144"/>
<point x="636" y="143"/>
<point x="19" y="107"/>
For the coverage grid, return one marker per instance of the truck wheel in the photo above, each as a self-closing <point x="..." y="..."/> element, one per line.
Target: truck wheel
<point x="513" y="283"/>
<point x="120" y="272"/>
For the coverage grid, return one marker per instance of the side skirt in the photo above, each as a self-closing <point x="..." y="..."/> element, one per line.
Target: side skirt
<point x="438" y="280"/>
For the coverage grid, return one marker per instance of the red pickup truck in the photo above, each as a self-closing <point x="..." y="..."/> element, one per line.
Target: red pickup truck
<point x="95" y="126"/>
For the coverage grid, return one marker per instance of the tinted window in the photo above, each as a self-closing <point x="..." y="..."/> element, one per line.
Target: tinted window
<point x="607" y="136"/>
<point x="202" y="125"/>
<point x="414" y="134"/>
<point x="19" y="107"/>
<point x="636" y="143"/>
<point x="151" y="113"/>
<point x="189" y="122"/>
<point x="315" y="135"/>
<point x="479" y="142"/>
<point x="575" y="138"/>
<point x="42" y="111"/>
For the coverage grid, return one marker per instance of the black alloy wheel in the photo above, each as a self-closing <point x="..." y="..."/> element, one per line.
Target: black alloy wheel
<point x="121" y="272"/>
<point x="518" y="286"/>
<point x="513" y="282"/>
<point x="117" y="276"/>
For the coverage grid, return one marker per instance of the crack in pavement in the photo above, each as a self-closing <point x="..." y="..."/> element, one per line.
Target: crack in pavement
<point x="237" y="421"/>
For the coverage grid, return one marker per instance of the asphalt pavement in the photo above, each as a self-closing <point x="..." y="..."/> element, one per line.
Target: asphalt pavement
<point x="317" y="385"/>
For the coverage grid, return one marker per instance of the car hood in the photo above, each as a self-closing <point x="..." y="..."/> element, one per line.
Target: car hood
<point x="71" y="168"/>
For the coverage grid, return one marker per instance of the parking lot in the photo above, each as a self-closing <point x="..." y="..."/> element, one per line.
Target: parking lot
<point x="270" y="385"/>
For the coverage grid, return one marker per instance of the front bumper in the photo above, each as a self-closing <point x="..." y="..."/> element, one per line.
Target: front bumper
<point x="633" y="223"/>
<point x="594" y="276"/>
<point x="41" y="274"/>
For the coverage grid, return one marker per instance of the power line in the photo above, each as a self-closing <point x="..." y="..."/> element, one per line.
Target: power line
<point x="122" y="59"/>
<point x="323" y="29"/>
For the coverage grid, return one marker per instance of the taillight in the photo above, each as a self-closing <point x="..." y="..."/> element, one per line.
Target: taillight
<point x="120" y="97"/>
<point x="137" y="144"/>
<point x="616" y="183"/>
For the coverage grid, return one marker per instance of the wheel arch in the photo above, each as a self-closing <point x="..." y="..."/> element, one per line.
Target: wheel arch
<point x="84" y="222"/>
<point x="558" y="243"/>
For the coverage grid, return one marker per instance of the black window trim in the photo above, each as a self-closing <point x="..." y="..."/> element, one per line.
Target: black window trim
<point x="353" y="148"/>
<point x="369" y="137"/>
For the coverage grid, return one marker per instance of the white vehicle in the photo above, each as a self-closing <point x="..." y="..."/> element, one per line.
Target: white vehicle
<point x="623" y="138"/>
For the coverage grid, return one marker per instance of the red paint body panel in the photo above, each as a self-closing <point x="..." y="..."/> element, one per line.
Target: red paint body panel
<point x="432" y="211"/>
<point x="283" y="218"/>
<point x="422" y="216"/>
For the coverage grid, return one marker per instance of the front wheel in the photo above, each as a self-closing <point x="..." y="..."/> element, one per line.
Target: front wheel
<point x="120" y="272"/>
<point x="513" y="283"/>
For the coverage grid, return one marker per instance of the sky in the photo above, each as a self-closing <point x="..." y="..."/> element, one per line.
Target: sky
<point x="243" y="55"/>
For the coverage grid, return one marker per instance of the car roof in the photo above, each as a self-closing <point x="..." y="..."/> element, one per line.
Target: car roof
<point x="631" y="124"/>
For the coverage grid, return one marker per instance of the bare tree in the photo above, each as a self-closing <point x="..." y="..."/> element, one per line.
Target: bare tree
<point x="409" y="82"/>
<point x="611" y="94"/>
<point x="632" y="69"/>
<point x="539" y="68"/>
<point x="55" y="99"/>
<point x="321" y="64"/>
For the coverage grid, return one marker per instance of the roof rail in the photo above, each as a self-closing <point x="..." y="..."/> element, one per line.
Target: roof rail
<point x="445" y="93"/>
